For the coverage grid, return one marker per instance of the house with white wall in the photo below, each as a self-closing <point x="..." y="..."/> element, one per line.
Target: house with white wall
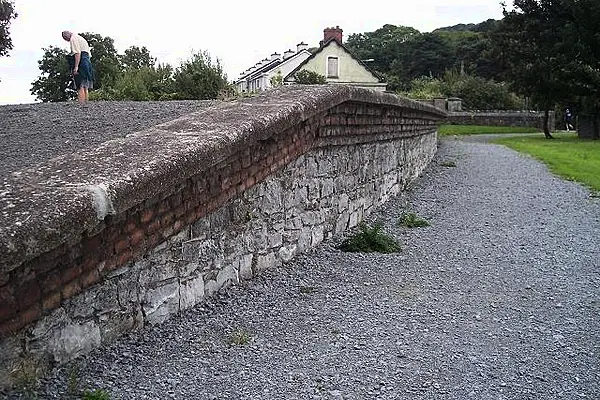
<point x="258" y="77"/>
<point x="338" y="65"/>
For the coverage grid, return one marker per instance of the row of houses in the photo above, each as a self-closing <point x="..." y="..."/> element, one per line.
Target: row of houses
<point x="332" y="59"/>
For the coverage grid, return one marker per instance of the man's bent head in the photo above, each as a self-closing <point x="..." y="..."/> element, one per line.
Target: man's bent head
<point x="67" y="35"/>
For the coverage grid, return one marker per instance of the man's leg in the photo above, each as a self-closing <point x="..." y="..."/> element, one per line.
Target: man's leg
<point x="81" y="95"/>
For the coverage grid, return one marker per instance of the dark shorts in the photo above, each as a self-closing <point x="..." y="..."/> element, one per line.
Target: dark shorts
<point x="85" y="76"/>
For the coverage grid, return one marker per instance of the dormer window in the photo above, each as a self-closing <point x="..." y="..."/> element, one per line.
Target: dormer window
<point x="333" y="67"/>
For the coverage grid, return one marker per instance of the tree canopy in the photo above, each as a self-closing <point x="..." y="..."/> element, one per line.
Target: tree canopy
<point x="550" y="51"/>
<point x="7" y="13"/>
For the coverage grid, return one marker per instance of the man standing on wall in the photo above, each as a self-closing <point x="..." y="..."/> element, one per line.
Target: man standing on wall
<point x="80" y="64"/>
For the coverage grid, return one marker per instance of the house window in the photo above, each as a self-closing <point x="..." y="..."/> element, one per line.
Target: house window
<point x="333" y="67"/>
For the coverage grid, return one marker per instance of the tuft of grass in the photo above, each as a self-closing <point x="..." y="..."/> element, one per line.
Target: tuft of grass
<point x="567" y="156"/>
<point x="307" y="289"/>
<point x="451" y="164"/>
<point x="412" y="220"/>
<point x="240" y="338"/>
<point x="447" y="130"/>
<point x="97" y="394"/>
<point x="370" y="240"/>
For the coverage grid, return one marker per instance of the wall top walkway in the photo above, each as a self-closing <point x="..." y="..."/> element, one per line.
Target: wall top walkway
<point x="56" y="201"/>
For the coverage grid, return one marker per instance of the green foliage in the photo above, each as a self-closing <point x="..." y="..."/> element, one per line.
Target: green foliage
<point x="55" y="82"/>
<point x="306" y="77"/>
<point x="240" y="338"/>
<point x="7" y="13"/>
<point x="412" y="220"/>
<point x="475" y="92"/>
<point x="550" y="51"/>
<point x="97" y="394"/>
<point x="572" y="158"/>
<point x="307" y="289"/>
<point x="277" y="79"/>
<point x="143" y="84"/>
<point x="370" y="240"/>
<point x="199" y="78"/>
<point x="136" y="58"/>
<point x="403" y="54"/>
<point x="425" y="88"/>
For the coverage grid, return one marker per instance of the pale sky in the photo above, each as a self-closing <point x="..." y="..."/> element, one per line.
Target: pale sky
<point x="238" y="33"/>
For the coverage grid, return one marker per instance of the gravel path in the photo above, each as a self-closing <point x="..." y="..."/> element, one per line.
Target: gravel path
<point x="498" y="299"/>
<point x="33" y="133"/>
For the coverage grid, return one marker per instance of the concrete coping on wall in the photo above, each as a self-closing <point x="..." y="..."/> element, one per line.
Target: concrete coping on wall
<point x="56" y="202"/>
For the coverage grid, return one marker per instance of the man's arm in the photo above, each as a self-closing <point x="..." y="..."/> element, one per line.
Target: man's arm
<point x="77" y="59"/>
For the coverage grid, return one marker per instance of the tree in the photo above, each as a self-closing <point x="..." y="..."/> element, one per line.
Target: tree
<point x="105" y="59"/>
<point x="383" y="46"/>
<point x="306" y="77"/>
<point x="582" y="38"/>
<point x="137" y="57"/>
<point x="199" y="78"/>
<point x="7" y="13"/>
<point x="530" y="43"/>
<point x="55" y="82"/>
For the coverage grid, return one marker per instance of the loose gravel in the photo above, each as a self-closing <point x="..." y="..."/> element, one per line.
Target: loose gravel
<point x="34" y="133"/>
<point x="498" y="299"/>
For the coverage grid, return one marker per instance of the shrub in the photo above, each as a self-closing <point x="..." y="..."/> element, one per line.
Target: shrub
<point x="370" y="240"/>
<point x="306" y="77"/>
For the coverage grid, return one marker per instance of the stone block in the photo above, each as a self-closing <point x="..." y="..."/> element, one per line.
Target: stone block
<point x="272" y="199"/>
<point x="286" y="253"/>
<point x="305" y="239"/>
<point x="113" y="325"/>
<point x="191" y="292"/>
<point x="228" y="276"/>
<point x="245" y="266"/>
<point x="264" y="262"/>
<point x="317" y="235"/>
<point x="161" y="302"/>
<point x="275" y="240"/>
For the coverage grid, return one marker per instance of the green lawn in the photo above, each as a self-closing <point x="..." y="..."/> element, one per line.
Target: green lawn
<point x="446" y="130"/>
<point x="572" y="158"/>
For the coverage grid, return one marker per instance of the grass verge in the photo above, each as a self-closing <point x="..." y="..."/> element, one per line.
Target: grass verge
<point x="447" y="130"/>
<point x="567" y="156"/>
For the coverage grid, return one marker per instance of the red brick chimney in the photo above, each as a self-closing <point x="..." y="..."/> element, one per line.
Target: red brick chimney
<point x="332" y="33"/>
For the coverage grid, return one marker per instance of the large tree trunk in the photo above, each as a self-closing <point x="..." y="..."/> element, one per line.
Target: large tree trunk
<point x="546" y="127"/>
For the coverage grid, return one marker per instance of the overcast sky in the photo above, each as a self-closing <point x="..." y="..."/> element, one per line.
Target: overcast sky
<point x="238" y="33"/>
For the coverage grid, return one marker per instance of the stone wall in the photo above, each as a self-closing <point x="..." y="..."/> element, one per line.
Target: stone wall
<point x="98" y="243"/>
<point x="585" y="127"/>
<point x="500" y="118"/>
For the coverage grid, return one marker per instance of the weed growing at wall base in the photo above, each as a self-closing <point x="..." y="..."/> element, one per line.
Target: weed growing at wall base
<point x="370" y="240"/>
<point x="412" y="220"/>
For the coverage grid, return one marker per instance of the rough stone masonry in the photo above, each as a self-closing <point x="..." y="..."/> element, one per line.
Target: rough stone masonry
<point x="106" y="240"/>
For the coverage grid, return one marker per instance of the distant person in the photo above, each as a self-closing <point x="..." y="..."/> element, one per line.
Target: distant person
<point x="569" y="120"/>
<point x="80" y="64"/>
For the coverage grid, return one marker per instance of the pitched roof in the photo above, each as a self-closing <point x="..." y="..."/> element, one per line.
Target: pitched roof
<point x="325" y="44"/>
<point x="271" y="65"/>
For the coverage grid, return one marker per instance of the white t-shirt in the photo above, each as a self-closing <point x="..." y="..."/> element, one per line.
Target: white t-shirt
<point x="79" y="44"/>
